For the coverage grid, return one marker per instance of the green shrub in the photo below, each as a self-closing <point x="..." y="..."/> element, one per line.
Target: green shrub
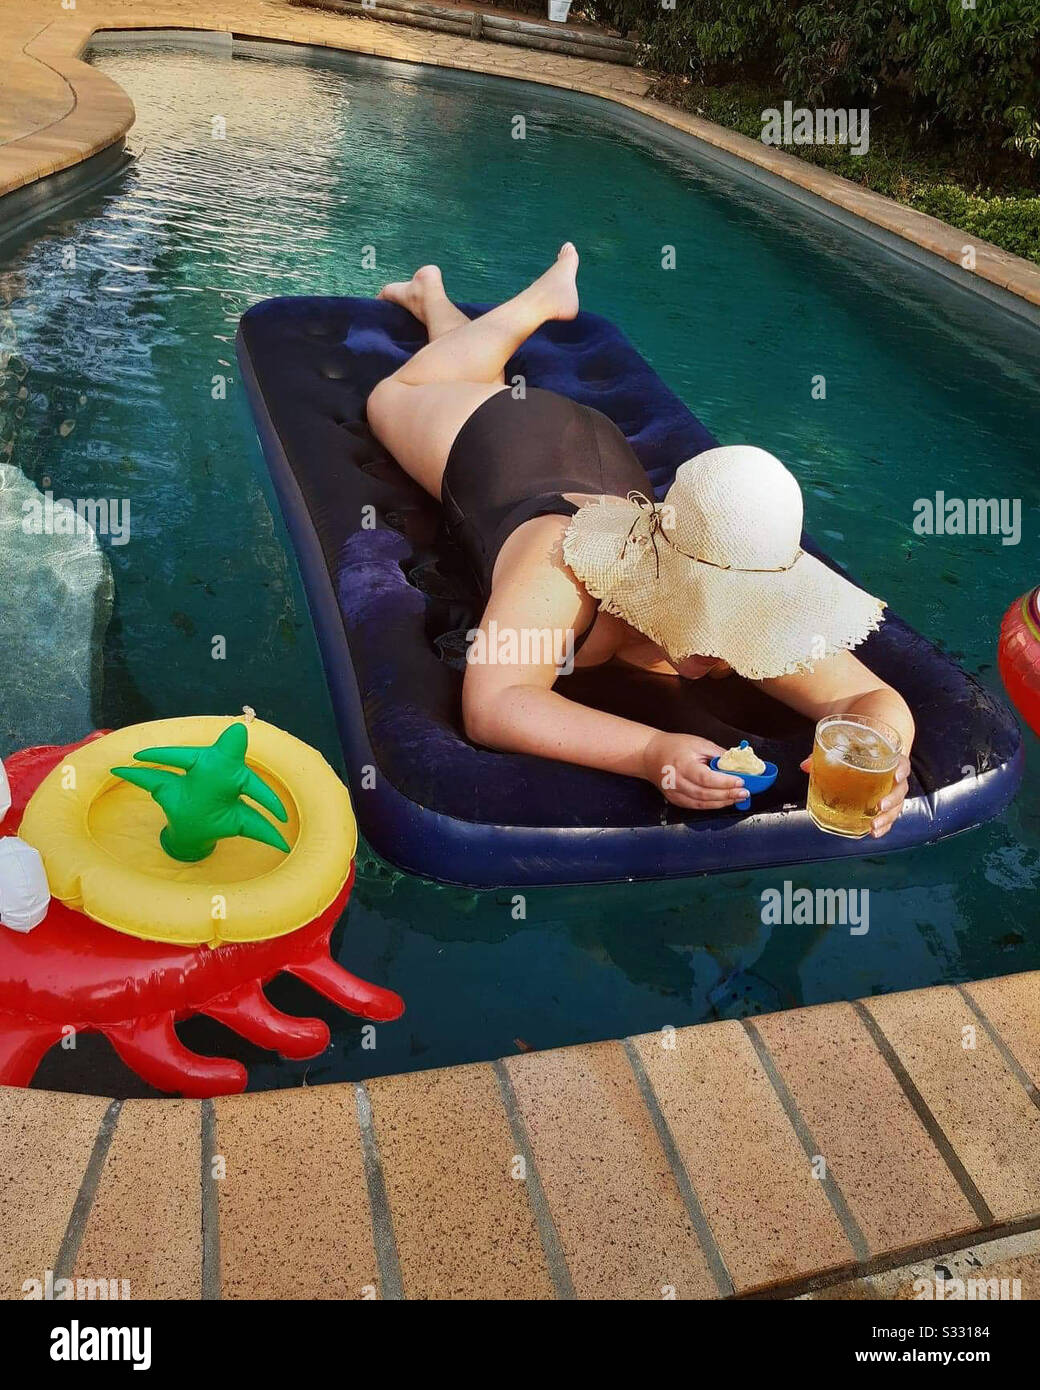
<point x="966" y="71"/>
<point x="1012" y="223"/>
<point x="980" y="68"/>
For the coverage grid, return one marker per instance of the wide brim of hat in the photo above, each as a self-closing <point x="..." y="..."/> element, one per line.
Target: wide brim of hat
<point x="763" y="625"/>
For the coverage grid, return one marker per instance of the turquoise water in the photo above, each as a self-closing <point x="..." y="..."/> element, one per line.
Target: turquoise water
<point x="926" y="388"/>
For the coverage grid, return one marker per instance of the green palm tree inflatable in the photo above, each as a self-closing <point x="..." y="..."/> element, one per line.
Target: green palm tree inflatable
<point x="205" y="804"/>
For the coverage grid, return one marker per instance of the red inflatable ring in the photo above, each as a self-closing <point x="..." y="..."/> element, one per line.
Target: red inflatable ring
<point x="1018" y="656"/>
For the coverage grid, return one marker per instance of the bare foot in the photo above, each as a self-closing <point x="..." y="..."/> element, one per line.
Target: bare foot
<point x="412" y="294"/>
<point x="557" y="289"/>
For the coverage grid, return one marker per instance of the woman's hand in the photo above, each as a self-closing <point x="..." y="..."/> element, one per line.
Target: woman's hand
<point x="891" y="805"/>
<point x="677" y="764"/>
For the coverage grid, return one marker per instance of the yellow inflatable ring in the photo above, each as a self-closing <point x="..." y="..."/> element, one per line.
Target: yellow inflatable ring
<point x="99" y="839"/>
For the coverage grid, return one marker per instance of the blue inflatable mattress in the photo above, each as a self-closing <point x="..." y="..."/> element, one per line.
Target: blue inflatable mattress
<point x="391" y="604"/>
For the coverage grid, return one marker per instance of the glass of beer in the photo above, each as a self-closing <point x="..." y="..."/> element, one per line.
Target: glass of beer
<point x="853" y="769"/>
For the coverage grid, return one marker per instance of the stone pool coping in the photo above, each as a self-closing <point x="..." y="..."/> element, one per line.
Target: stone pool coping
<point x="59" y="110"/>
<point x="835" y="1151"/>
<point x="620" y="1169"/>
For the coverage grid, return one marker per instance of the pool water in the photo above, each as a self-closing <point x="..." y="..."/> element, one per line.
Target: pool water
<point x="327" y="165"/>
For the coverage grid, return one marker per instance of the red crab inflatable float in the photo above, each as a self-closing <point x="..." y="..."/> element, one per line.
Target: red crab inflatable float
<point x="73" y="975"/>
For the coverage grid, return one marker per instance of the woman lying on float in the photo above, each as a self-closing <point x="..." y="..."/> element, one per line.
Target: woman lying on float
<point x="554" y="513"/>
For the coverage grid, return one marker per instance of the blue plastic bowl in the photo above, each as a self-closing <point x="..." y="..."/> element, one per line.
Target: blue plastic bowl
<point x="753" y="784"/>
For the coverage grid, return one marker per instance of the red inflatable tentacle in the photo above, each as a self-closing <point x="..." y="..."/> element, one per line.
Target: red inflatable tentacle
<point x="23" y="1042"/>
<point x="350" y="992"/>
<point x="248" y="1012"/>
<point x="151" y="1047"/>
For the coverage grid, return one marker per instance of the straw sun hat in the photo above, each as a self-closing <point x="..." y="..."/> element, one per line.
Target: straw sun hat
<point x="716" y="569"/>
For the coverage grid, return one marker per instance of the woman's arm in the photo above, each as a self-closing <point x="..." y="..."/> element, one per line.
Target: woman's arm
<point x="521" y="715"/>
<point x="508" y="702"/>
<point x="843" y="685"/>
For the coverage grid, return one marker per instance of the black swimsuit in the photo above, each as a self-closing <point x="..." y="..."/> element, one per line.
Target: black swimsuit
<point x="514" y="458"/>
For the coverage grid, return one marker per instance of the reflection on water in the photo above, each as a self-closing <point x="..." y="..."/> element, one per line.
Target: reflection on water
<point x="55" y="580"/>
<point x="259" y="178"/>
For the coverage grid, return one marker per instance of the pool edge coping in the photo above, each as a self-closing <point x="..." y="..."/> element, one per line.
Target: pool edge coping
<point x="766" y="1069"/>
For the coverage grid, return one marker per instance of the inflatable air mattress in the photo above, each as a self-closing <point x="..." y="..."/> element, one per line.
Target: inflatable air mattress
<point x="391" y="601"/>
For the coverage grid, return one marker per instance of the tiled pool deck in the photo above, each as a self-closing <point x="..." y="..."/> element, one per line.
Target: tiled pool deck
<point x="833" y="1152"/>
<point x="817" y="1151"/>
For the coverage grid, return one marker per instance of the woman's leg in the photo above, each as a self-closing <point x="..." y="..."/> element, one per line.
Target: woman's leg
<point x="417" y="412"/>
<point x="477" y="350"/>
<point x="425" y="298"/>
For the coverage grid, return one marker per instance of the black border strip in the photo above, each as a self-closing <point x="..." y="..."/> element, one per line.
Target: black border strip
<point x="924" y="1114"/>
<point x="391" y="1284"/>
<point x="210" y="1274"/>
<point x="550" y="1237"/>
<point x="829" y="1183"/>
<point x="1010" y="1060"/>
<point x="716" y="1262"/>
<point x="65" y="1260"/>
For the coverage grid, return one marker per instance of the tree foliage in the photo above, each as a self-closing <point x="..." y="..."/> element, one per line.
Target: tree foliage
<point x="971" y="71"/>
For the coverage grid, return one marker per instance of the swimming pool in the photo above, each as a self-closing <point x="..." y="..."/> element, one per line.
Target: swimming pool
<point x="335" y="174"/>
